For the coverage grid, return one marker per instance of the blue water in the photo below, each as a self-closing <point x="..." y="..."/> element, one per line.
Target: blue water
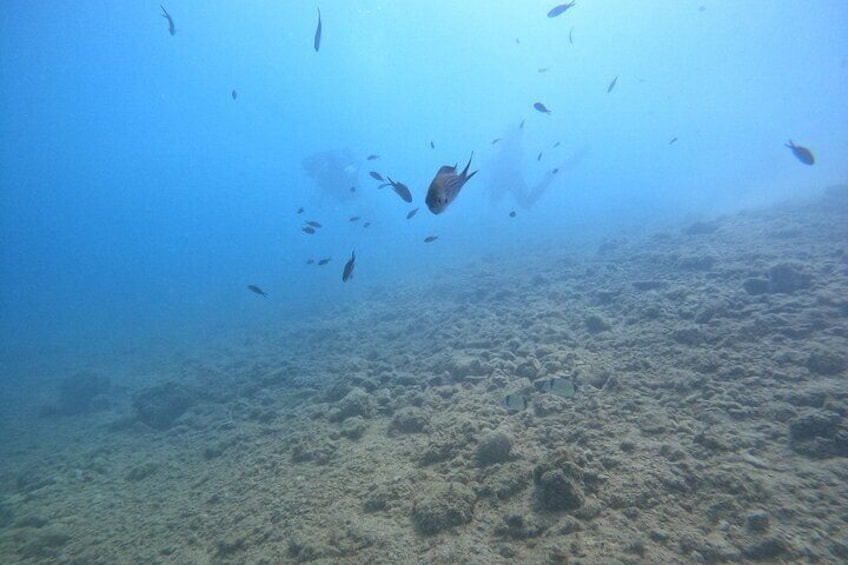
<point x="138" y="199"/>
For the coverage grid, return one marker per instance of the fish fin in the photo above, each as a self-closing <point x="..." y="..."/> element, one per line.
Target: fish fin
<point x="790" y="145"/>
<point x="465" y="174"/>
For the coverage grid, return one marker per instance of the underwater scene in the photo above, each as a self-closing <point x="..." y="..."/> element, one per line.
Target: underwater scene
<point x="439" y="282"/>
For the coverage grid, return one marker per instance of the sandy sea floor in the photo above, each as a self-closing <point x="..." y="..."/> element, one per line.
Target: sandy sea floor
<point x="708" y="421"/>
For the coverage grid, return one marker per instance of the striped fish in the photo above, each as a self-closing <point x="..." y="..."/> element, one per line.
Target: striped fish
<point x="446" y="186"/>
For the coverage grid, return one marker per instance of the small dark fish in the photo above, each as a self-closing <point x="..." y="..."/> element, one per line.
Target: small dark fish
<point x="512" y="214"/>
<point x="323" y="262"/>
<point x="496" y="140"/>
<point x="556" y="144"/>
<point x="430" y="238"/>
<point x="347" y="273"/>
<point x="353" y="189"/>
<point x="353" y="219"/>
<point x="317" y="42"/>
<point x="300" y="210"/>
<point x="555" y="171"/>
<point x="557" y="10"/>
<point x="255" y="289"/>
<point x="310" y="261"/>
<point x="307" y="229"/>
<point x="372" y="157"/>
<point x="366" y="224"/>
<point x="542" y="70"/>
<point x="517" y="41"/>
<point x="570" y="39"/>
<point x="432" y="145"/>
<point x="541" y="108"/>
<point x="314" y="224"/>
<point x="612" y="85"/>
<point x="234" y="94"/>
<point x="801" y="153"/>
<point x="539" y="158"/>
<point x="399" y="188"/>
<point x="411" y="213"/>
<point x="376" y="176"/>
<point x="446" y="185"/>
<point x="521" y="125"/>
<point x="171" y="29"/>
<point x="673" y="139"/>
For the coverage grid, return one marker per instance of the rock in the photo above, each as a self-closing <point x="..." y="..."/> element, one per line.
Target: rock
<point x="309" y="447"/>
<point x="381" y="497"/>
<point x="558" y="484"/>
<point x="700" y="228"/>
<point x="647" y="285"/>
<point x="825" y="362"/>
<point x="7" y="514"/>
<point x="141" y="472"/>
<point x="757" y="522"/>
<point x="819" y="434"/>
<point x="556" y="491"/>
<point x="442" y="506"/>
<point x="78" y="393"/>
<point x="596" y="324"/>
<point x="493" y="448"/>
<point x="518" y="527"/>
<point x="461" y="365"/>
<point x="505" y="480"/>
<point x="357" y="402"/>
<point x="354" y="428"/>
<point x="159" y="406"/>
<point x="409" y="420"/>
<point x="787" y="278"/>
<point x="690" y="336"/>
<point x="755" y="287"/>
<point x="696" y="263"/>
<point x="768" y="548"/>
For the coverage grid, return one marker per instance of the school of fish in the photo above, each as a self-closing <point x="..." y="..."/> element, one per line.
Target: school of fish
<point x="447" y="182"/>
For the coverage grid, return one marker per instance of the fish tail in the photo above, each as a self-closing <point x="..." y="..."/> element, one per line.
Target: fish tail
<point x="465" y="174"/>
<point x="790" y="145"/>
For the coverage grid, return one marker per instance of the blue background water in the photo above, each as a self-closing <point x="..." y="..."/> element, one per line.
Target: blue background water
<point x="138" y="200"/>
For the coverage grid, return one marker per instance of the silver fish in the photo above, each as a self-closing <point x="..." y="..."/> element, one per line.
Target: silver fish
<point x="446" y="186"/>
<point x="559" y="386"/>
<point x="347" y="273"/>
<point x="515" y="402"/>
